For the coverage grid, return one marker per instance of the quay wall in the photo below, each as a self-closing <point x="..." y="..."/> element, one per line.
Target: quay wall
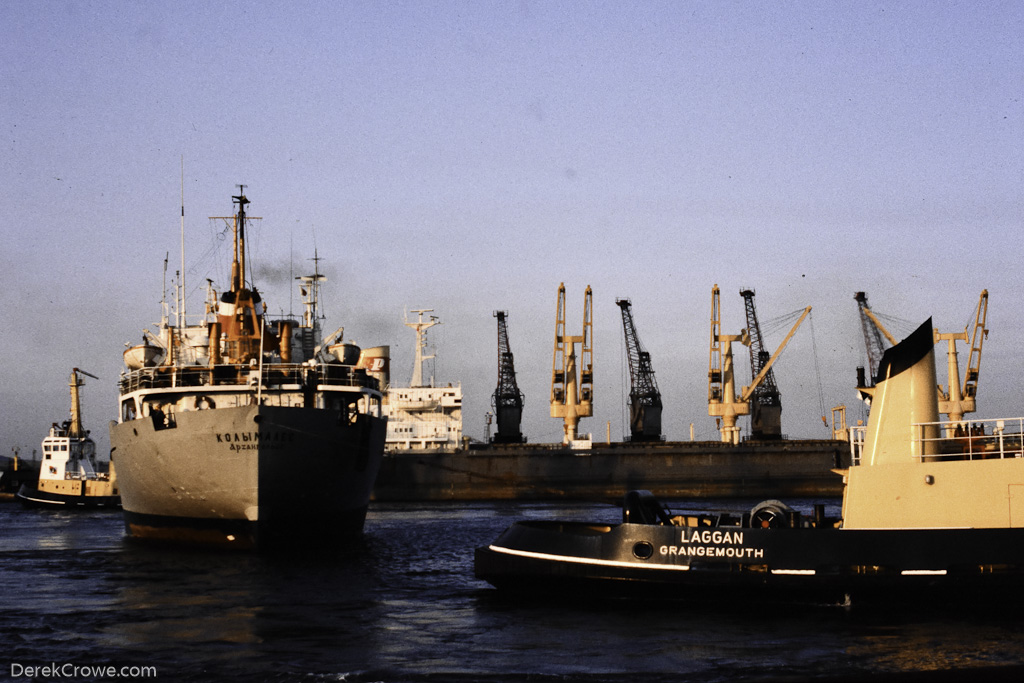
<point x="702" y="469"/>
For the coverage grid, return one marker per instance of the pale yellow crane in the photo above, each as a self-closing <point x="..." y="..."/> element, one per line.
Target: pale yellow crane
<point x="571" y="396"/>
<point x="723" y="403"/>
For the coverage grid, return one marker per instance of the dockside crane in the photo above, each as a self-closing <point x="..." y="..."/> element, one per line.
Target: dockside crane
<point x="571" y="396"/>
<point x="507" y="401"/>
<point x="644" y="397"/>
<point x="874" y="331"/>
<point x="723" y="403"/>
<point x="766" y="402"/>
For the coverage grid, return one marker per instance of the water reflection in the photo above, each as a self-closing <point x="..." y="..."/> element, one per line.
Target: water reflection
<point x="974" y="641"/>
<point x="405" y="605"/>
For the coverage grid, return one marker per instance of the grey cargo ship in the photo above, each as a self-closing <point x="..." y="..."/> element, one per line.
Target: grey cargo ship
<point x="245" y="431"/>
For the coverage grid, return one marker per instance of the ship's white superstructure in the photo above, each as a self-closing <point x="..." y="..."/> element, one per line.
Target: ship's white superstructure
<point x="423" y="416"/>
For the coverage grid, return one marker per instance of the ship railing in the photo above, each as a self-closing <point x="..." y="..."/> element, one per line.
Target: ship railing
<point x="970" y="439"/>
<point x="271" y="376"/>
<point x="856" y="439"/>
<point x="962" y="440"/>
<point x="81" y="476"/>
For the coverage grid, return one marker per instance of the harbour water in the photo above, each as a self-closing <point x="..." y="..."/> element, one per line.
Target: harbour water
<point x="404" y="606"/>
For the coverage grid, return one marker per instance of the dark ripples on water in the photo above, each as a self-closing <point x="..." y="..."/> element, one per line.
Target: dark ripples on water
<point x="405" y="607"/>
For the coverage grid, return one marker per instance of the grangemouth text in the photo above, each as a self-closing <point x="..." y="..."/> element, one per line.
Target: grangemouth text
<point x="712" y="551"/>
<point x="715" y="543"/>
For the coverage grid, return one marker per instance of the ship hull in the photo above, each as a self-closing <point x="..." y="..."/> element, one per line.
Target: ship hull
<point x="248" y="477"/>
<point x="32" y="497"/>
<point x="749" y="564"/>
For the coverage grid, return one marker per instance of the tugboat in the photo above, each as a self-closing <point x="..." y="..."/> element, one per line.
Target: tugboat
<point x="247" y="432"/>
<point x="69" y="476"/>
<point x="929" y="509"/>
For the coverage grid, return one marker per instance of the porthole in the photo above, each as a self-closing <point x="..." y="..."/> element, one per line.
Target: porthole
<point x="643" y="550"/>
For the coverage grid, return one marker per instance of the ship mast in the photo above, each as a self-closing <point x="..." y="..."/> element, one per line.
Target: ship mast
<point x="240" y="313"/>
<point x="181" y="278"/>
<point x="421" y="343"/>
<point x="238" y="264"/>
<point x="310" y="290"/>
<point x="76" y="430"/>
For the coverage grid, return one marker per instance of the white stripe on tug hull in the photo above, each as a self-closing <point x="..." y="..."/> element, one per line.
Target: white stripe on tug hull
<point x="585" y="560"/>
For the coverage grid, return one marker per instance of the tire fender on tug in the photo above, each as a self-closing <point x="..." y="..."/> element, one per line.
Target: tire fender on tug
<point x="771" y="514"/>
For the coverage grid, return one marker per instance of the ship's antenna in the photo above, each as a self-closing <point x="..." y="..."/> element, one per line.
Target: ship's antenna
<point x="181" y="278"/>
<point x="317" y="312"/>
<point x="291" y="267"/>
<point x="163" y="297"/>
<point x="316" y="272"/>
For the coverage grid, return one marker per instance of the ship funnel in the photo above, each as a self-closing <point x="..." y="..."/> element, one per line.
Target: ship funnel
<point x="904" y="397"/>
<point x="285" y="331"/>
<point x="377" y="363"/>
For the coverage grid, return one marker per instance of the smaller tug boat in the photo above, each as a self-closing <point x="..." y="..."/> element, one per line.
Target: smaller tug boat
<point x="930" y="510"/>
<point x="69" y="475"/>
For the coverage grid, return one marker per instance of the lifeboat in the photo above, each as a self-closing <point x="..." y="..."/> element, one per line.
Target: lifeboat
<point x="143" y="356"/>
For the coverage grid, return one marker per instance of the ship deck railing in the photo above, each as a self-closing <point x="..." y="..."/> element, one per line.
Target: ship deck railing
<point x="78" y="476"/>
<point x="290" y="376"/>
<point x="995" y="438"/>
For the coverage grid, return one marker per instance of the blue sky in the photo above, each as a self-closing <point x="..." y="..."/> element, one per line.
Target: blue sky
<point x="470" y="156"/>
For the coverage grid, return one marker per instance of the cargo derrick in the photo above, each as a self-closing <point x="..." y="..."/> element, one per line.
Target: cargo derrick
<point x="572" y="398"/>
<point x="507" y="401"/>
<point x="723" y="403"/>
<point x="977" y="338"/>
<point x="644" y="397"/>
<point x="766" y="403"/>
<point x="959" y="398"/>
